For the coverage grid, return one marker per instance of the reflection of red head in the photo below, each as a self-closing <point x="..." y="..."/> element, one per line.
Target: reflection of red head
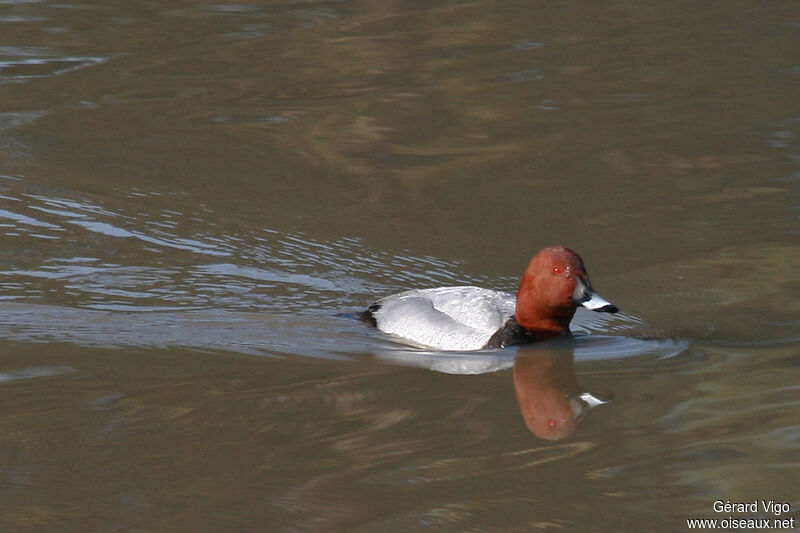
<point x="548" y="393"/>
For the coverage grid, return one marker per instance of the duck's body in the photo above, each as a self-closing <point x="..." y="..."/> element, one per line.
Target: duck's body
<point x="472" y="318"/>
<point x="445" y="318"/>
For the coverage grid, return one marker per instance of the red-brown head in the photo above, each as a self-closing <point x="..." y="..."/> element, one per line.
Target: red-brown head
<point x="553" y="286"/>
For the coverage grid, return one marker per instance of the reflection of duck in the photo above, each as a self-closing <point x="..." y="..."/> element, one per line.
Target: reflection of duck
<point x="470" y="318"/>
<point x="550" y="399"/>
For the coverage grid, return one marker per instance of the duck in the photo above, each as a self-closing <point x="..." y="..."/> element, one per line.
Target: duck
<point x="469" y="318"/>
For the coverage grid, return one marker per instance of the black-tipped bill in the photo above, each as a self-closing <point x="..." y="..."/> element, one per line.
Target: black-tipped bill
<point x="584" y="295"/>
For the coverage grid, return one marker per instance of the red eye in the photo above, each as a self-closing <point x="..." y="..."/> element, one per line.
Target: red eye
<point x="556" y="270"/>
<point x="552" y="423"/>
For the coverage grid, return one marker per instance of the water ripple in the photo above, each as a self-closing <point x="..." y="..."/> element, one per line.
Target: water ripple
<point x="26" y="69"/>
<point x="35" y="372"/>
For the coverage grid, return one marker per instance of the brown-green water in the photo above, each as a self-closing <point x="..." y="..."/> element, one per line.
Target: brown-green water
<point x="192" y="196"/>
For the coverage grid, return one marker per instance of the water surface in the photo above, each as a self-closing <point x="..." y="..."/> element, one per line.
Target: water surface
<point x="194" y="197"/>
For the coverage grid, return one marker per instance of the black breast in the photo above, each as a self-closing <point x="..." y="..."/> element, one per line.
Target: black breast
<point x="510" y="334"/>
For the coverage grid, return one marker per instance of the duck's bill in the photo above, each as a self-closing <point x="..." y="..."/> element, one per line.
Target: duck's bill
<point x="596" y="303"/>
<point x="583" y="402"/>
<point x="584" y="295"/>
<point x="593" y="400"/>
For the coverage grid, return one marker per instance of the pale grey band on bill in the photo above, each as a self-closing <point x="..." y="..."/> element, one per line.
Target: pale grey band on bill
<point x="585" y="296"/>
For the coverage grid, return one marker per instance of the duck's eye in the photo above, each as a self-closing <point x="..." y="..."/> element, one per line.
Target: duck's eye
<point x="557" y="270"/>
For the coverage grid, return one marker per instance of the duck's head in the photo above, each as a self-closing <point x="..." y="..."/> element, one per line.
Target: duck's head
<point x="553" y="286"/>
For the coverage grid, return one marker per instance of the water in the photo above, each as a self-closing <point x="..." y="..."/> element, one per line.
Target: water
<point x="194" y="197"/>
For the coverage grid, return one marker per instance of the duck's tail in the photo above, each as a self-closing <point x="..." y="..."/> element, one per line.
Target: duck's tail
<point x="367" y="316"/>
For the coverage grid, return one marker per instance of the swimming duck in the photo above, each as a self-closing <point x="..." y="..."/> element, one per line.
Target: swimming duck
<point x="468" y="318"/>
